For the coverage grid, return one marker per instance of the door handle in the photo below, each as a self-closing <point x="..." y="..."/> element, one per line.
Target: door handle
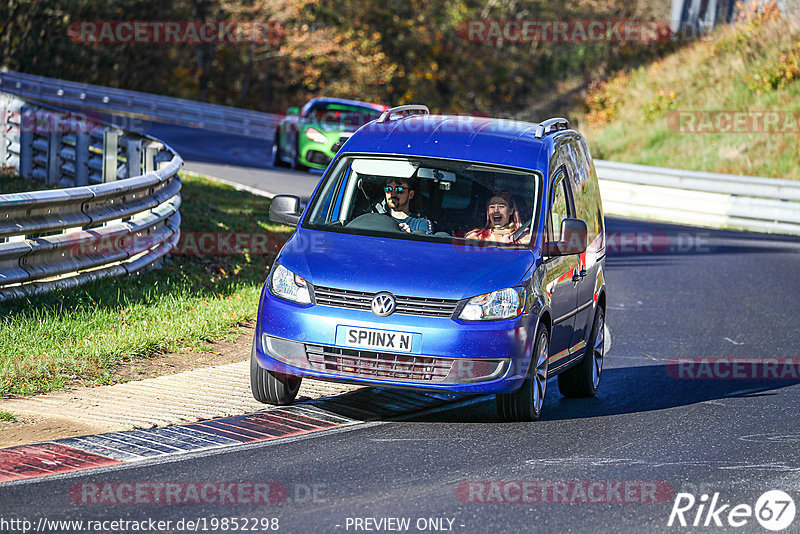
<point x="575" y="276"/>
<point x="583" y="273"/>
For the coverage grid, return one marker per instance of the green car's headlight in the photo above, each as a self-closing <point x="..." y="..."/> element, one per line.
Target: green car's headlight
<point x="503" y="304"/>
<point x="285" y="284"/>
<point x="316" y="136"/>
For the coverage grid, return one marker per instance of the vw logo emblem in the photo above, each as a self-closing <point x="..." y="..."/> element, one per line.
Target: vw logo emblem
<point x="383" y="304"/>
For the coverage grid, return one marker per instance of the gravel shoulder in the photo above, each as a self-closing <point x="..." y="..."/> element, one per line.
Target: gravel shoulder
<point x="167" y="390"/>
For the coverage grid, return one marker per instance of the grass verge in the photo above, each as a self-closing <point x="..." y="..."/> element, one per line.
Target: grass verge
<point x="6" y="416"/>
<point x="79" y="336"/>
<point x="11" y="183"/>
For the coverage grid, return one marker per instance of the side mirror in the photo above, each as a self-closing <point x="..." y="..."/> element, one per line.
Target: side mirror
<point x="285" y="209"/>
<point x="293" y="111"/>
<point x="574" y="234"/>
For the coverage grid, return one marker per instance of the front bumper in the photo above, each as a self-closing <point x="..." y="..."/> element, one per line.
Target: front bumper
<point x="319" y="155"/>
<point x="452" y="355"/>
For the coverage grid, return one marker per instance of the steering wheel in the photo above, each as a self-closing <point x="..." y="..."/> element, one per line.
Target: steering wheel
<point x="374" y="221"/>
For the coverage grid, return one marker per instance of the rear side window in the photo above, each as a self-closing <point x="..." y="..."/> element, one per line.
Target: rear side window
<point x="576" y="169"/>
<point x="586" y="190"/>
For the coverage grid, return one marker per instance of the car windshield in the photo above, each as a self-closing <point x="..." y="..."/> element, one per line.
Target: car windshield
<point x="427" y="199"/>
<point x="341" y="117"/>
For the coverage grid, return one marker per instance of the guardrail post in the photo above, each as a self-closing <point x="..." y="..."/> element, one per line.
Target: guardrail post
<point x="4" y="122"/>
<point x="53" y="153"/>
<point x="25" y="143"/>
<point x="110" y="144"/>
<point x="82" y="142"/>
<point x="133" y="151"/>
<point x="150" y="154"/>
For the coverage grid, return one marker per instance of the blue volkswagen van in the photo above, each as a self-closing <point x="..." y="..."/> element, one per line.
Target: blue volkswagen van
<point x="450" y="253"/>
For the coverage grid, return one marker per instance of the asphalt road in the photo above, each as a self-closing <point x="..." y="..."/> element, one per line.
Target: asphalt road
<point x="649" y="434"/>
<point x="239" y="159"/>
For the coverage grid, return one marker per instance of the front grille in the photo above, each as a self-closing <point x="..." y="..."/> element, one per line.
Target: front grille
<point x="361" y="300"/>
<point x="371" y="364"/>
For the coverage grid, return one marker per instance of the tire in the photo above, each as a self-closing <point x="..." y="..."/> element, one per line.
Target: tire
<point x="526" y="403"/>
<point x="296" y="165"/>
<point x="270" y="387"/>
<point x="277" y="155"/>
<point x="583" y="379"/>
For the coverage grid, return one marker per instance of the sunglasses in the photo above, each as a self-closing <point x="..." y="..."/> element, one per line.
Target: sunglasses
<point x="396" y="188"/>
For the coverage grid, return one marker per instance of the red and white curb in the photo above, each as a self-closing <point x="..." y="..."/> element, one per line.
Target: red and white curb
<point x="117" y="448"/>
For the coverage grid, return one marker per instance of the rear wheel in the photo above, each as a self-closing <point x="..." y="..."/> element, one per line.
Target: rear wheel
<point x="584" y="379"/>
<point x="270" y="387"/>
<point x="526" y="403"/>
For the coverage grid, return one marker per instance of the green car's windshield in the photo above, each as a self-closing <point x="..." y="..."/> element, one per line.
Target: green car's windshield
<point x="432" y="199"/>
<point x="341" y="117"/>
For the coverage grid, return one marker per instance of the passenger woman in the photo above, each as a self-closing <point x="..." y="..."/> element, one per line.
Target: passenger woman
<point x="502" y="220"/>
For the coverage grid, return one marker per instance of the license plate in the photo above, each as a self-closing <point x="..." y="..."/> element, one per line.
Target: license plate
<point x="369" y="338"/>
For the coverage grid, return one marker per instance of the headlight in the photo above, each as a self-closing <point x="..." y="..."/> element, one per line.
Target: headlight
<point x="316" y="136"/>
<point x="287" y="285"/>
<point x="502" y="304"/>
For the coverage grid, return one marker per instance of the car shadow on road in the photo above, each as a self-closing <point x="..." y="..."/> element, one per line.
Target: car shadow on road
<point x="631" y="390"/>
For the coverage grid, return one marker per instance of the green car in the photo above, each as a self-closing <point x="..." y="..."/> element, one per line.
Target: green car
<point x="311" y="136"/>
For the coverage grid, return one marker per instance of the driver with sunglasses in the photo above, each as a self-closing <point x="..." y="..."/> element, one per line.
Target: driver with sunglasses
<point x="398" y="197"/>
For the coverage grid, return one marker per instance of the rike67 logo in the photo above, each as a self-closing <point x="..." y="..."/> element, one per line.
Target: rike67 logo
<point x="774" y="510"/>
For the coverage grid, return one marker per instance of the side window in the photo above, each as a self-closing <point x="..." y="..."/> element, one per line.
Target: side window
<point x="559" y="209"/>
<point x="574" y="165"/>
<point x="584" y="157"/>
<point x="326" y="208"/>
<point x="587" y="197"/>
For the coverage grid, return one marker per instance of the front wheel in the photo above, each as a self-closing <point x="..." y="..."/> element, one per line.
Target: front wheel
<point x="270" y="387"/>
<point x="277" y="153"/>
<point x="296" y="165"/>
<point x="584" y="379"/>
<point x="526" y="403"/>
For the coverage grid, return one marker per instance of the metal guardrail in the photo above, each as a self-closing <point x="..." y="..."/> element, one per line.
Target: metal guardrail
<point x="120" y="216"/>
<point x="700" y="198"/>
<point x="106" y="99"/>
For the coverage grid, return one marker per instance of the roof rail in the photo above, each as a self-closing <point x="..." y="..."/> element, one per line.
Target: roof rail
<point x="410" y="109"/>
<point x="550" y="126"/>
